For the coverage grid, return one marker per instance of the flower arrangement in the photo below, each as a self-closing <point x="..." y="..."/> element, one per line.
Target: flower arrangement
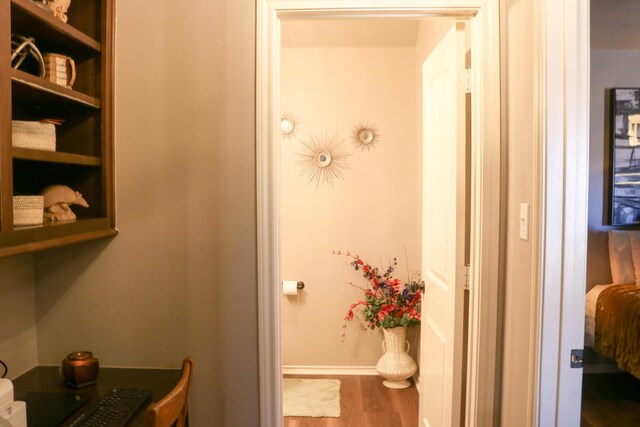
<point x="388" y="303"/>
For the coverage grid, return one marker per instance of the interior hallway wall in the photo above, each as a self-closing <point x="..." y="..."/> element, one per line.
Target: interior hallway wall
<point x="18" y="345"/>
<point x="519" y="314"/>
<point x="180" y="278"/>
<point x="374" y="212"/>
<point x="609" y="69"/>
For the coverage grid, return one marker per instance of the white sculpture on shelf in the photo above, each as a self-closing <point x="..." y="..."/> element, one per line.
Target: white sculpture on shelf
<point x="59" y="8"/>
<point x="57" y="199"/>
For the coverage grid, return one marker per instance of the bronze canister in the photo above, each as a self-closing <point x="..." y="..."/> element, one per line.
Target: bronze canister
<point x="80" y="369"/>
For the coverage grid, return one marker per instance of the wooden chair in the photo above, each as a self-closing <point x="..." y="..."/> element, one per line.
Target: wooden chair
<point x="172" y="409"/>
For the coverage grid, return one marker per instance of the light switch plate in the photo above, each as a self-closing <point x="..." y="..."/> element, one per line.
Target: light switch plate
<point x="524" y="221"/>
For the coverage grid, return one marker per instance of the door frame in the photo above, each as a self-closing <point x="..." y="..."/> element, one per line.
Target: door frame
<point x="487" y="180"/>
<point x="561" y="126"/>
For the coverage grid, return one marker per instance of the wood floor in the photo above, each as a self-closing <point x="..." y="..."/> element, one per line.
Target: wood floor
<point x="365" y="402"/>
<point x="610" y="400"/>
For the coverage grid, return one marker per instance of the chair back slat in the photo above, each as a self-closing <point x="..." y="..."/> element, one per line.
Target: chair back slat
<point x="172" y="409"/>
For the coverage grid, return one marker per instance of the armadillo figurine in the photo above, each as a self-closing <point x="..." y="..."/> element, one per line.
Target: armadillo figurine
<point x="57" y="199"/>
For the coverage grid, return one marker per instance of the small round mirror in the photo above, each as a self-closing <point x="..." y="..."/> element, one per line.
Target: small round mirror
<point x="323" y="159"/>
<point x="287" y="126"/>
<point x="365" y="136"/>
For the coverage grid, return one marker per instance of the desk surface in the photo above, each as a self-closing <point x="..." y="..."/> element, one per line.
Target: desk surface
<point x="47" y="379"/>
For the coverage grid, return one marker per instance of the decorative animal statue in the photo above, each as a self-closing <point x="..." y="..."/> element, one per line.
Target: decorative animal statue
<point x="57" y="199"/>
<point x="59" y="8"/>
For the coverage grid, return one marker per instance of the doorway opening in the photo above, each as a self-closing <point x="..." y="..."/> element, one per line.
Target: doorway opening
<point x="485" y="187"/>
<point x="608" y="392"/>
<point x="338" y="80"/>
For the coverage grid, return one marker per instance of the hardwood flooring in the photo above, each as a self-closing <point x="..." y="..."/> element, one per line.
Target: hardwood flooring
<point x="610" y="400"/>
<point x="365" y="402"/>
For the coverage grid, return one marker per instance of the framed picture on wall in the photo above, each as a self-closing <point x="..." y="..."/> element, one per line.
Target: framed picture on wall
<point x="624" y="206"/>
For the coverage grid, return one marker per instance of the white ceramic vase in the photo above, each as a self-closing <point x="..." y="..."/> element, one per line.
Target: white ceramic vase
<point x="395" y="365"/>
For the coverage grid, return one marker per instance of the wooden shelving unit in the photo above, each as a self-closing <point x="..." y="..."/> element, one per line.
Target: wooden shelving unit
<point x="83" y="159"/>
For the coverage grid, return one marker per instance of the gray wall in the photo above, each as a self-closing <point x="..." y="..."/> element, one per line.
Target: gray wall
<point x="180" y="278"/>
<point x="18" y="347"/>
<point x="609" y="69"/>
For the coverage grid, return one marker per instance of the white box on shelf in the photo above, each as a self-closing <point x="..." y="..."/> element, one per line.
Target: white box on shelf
<point x="28" y="210"/>
<point x="35" y="135"/>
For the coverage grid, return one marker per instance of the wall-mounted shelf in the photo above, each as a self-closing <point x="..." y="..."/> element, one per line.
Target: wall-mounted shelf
<point x="83" y="159"/>
<point x="30" y="20"/>
<point x="27" y="87"/>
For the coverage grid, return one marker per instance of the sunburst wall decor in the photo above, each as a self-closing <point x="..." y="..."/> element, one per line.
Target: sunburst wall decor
<point x="288" y="125"/>
<point x="365" y="136"/>
<point x="324" y="159"/>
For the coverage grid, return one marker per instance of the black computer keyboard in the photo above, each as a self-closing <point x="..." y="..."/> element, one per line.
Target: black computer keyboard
<point x="113" y="409"/>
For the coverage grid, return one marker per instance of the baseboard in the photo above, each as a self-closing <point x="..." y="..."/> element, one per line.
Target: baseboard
<point x="328" y="370"/>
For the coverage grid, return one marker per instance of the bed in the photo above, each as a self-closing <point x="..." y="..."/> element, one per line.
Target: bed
<point x="612" y="312"/>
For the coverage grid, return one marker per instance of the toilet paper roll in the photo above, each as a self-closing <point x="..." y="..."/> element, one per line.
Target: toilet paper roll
<point x="289" y="287"/>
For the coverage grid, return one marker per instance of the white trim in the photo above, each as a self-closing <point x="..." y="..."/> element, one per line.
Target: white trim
<point x="328" y="370"/>
<point x="269" y="339"/>
<point x="482" y="394"/>
<point x="486" y="211"/>
<point x="563" y="122"/>
<point x="537" y="218"/>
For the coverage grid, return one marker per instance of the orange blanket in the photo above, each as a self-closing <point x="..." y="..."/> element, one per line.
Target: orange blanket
<point x="617" y="333"/>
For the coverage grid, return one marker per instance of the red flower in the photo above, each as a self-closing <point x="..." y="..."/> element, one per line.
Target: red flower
<point x="388" y="302"/>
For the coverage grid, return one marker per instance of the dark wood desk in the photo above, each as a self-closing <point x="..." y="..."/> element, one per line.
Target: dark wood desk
<point x="47" y="379"/>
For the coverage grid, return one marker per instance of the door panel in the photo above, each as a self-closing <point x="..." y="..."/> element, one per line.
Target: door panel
<point x="443" y="232"/>
<point x="432" y="373"/>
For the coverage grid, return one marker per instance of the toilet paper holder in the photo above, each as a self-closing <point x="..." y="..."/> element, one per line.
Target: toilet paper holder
<point x="292" y="287"/>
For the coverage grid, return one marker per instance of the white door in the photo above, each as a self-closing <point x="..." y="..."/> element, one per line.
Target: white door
<point x="443" y="233"/>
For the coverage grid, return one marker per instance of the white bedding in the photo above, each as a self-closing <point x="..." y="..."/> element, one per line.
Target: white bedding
<point x="590" y="314"/>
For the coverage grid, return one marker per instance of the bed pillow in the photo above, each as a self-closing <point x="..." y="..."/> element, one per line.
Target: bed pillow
<point x="621" y="259"/>
<point x="634" y="237"/>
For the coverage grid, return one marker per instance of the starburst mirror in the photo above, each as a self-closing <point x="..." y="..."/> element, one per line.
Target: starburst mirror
<point x="323" y="159"/>
<point x="288" y="125"/>
<point x="365" y="136"/>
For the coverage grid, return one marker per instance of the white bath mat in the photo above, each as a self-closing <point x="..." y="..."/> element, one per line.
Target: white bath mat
<point x="311" y="397"/>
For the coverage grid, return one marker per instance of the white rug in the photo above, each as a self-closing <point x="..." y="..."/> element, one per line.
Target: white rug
<point x="311" y="397"/>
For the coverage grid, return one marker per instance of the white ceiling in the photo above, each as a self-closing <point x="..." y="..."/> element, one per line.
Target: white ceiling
<point x="615" y="24"/>
<point x="350" y="33"/>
